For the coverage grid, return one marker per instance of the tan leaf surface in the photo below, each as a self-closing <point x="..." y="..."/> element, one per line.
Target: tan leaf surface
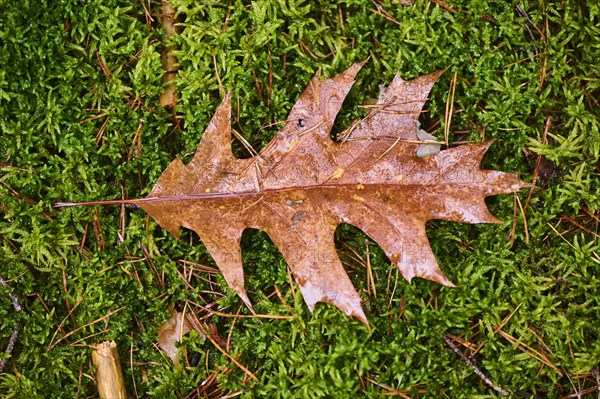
<point x="302" y="185"/>
<point x="172" y="331"/>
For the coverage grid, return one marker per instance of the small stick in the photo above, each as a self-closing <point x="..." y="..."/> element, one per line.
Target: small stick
<point x="13" y="337"/>
<point x="476" y="369"/>
<point x="11" y="344"/>
<point x="583" y="392"/>
<point x="596" y="375"/>
<point x="168" y="98"/>
<point x="109" y="376"/>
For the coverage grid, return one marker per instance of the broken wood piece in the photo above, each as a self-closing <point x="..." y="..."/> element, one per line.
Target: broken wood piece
<point x="168" y="98"/>
<point x="109" y="376"/>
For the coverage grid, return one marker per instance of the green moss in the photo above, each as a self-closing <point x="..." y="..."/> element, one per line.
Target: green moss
<point x="76" y="79"/>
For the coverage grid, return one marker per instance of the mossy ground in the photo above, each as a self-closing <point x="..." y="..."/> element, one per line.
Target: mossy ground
<point x="76" y="79"/>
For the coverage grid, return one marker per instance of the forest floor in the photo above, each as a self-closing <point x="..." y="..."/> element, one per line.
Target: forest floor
<point x="81" y="120"/>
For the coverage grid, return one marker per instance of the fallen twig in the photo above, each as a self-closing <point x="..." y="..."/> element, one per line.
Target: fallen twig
<point x="582" y="392"/>
<point x="13" y="337"/>
<point x="168" y="98"/>
<point x="476" y="369"/>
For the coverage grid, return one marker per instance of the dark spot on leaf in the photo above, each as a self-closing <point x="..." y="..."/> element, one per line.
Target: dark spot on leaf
<point x="298" y="216"/>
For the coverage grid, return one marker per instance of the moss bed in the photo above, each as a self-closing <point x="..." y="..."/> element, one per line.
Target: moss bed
<point x="78" y="77"/>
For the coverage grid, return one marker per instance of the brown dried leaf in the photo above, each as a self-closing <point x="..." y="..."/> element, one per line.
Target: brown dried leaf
<point x="302" y="185"/>
<point x="172" y="331"/>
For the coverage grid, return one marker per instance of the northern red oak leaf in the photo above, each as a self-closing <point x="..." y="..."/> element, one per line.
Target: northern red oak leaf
<point x="303" y="184"/>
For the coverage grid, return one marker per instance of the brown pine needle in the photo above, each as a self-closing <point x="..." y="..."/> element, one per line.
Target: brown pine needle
<point x="524" y="220"/>
<point x="370" y="271"/>
<point x="449" y="108"/>
<point x="82" y="327"/>
<point x="200" y="327"/>
<point x="66" y="317"/>
<point x="241" y="316"/>
<point x="541" y="357"/>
